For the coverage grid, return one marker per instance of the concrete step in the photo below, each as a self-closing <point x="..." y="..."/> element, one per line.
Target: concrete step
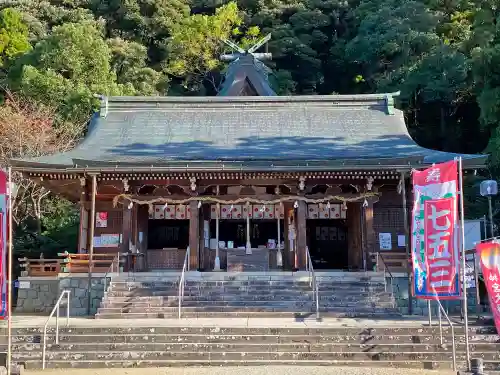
<point x="252" y="292"/>
<point x="255" y="284"/>
<point x="255" y="291"/>
<point x="263" y="280"/>
<point x="249" y="276"/>
<point x="476" y="332"/>
<point x="161" y="355"/>
<point x="243" y="347"/>
<point x="244" y="314"/>
<point x="245" y="305"/>
<point x="222" y="299"/>
<point x="228" y="301"/>
<point x="250" y="308"/>
<point x="478" y="341"/>
<point x="233" y="294"/>
<point x="414" y="364"/>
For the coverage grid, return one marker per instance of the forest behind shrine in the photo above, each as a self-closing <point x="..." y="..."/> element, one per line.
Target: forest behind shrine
<point x="55" y="55"/>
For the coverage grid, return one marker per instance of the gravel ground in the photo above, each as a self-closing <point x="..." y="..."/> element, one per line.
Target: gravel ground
<point x="263" y="370"/>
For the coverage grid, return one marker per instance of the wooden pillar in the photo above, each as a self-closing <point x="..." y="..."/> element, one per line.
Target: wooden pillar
<point x="142" y="217"/>
<point x="301" y="235"/>
<point x="194" y="235"/>
<point x="354" y="236"/>
<point x="288" y="252"/>
<point x="134" y="229"/>
<point x="83" y="234"/>
<point x="204" y="254"/>
<point x="370" y="240"/>
<point x="126" y="227"/>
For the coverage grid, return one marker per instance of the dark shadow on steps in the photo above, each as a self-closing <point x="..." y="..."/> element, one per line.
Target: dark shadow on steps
<point x="428" y="366"/>
<point x="367" y="335"/>
<point x="301" y="317"/>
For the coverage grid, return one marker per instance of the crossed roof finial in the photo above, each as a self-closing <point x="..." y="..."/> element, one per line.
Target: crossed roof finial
<point x="251" y="51"/>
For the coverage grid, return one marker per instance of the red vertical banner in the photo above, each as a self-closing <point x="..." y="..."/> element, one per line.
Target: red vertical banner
<point x="434" y="240"/>
<point x="489" y="257"/>
<point x="3" y="244"/>
<point x="439" y="234"/>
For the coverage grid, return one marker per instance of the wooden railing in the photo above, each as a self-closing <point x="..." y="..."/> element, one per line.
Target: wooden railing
<point x="79" y="263"/>
<point x="68" y="263"/>
<point x="40" y="267"/>
<point x="395" y="262"/>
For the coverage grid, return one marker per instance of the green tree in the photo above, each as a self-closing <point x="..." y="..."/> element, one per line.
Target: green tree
<point x="196" y="43"/>
<point x="58" y="232"/>
<point x="72" y="64"/>
<point x="41" y="16"/>
<point x="393" y="36"/>
<point x="440" y="81"/>
<point x="308" y="41"/>
<point x="13" y="36"/>
<point x="147" y="22"/>
<point x="129" y="61"/>
<point x="486" y="70"/>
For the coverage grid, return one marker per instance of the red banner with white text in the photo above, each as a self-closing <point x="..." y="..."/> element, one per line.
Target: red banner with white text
<point x="489" y="257"/>
<point x="434" y="242"/>
<point x="3" y="243"/>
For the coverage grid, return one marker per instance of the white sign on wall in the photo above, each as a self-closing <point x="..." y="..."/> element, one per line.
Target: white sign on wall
<point x="401" y="240"/>
<point x="470" y="275"/>
<point x="24" y="285"/>
<point x="385" y="241"/>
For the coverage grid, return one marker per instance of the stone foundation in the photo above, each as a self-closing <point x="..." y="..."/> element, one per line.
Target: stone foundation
<point x="78" y="287"/>
<point x="420" y="307"/>
<point x="39" y="297"/>
<point x="39" y="294"/>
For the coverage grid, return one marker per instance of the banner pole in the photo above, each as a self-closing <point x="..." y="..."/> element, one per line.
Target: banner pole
<point x="91" y="245"/>
<point x="429" y="312"/>
<point x="464" y="278"/>
<point x="9" y="274"/>
<point x="407" y="243"/>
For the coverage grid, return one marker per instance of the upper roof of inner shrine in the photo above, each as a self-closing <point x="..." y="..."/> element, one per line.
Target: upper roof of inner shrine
<point x="247" y="133"/>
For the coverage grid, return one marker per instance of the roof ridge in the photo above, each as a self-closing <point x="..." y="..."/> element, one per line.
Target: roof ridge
<point x="256" y="99"/>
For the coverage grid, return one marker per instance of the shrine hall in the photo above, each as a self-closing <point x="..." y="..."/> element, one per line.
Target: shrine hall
<point x="246" y="180"/>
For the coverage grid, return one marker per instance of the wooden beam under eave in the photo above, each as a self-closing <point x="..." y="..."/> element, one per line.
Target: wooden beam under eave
<point x="333" y="179"/>
<point x="269" y="197"/>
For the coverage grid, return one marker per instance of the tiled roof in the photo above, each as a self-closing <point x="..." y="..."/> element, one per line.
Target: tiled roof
<point x="166" y="130"/>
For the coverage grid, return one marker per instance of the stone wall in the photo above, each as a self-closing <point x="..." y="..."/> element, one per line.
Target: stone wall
<point x="40" y="294"/>
<point x="39" y="297"/>
<point x="78" y="287"/>
<point x="400" y="290"/>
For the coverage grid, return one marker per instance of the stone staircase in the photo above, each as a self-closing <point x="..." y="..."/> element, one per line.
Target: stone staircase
<point x="244" y="295"/>
<point x="189" y="345"/>
<point x="217" y="336"/>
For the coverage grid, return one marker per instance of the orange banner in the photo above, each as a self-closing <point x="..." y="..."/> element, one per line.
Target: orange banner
<point x="489" y="257"/>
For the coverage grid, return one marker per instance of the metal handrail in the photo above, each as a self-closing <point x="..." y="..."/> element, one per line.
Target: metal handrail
<point x="182" y="281"/>
<point x="313" y="282"/>
<point x="110" y="270"/>
<point x="391" y="277"/>
<point x="54" y="310"/>
<point x="453" y="345"/>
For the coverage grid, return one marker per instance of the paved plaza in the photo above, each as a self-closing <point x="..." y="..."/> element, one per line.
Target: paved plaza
<point x="262" y="370"/>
